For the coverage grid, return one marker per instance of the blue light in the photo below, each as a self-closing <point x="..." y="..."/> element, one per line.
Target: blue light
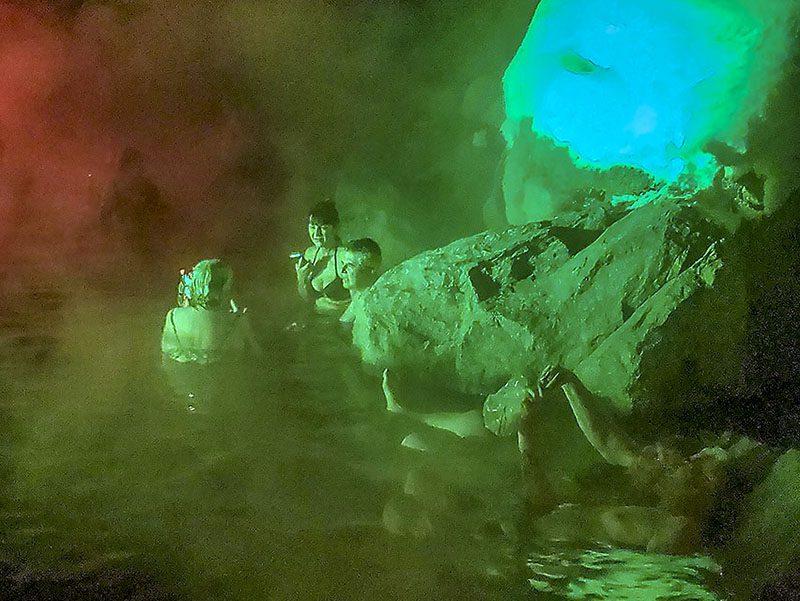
<point x="642" y="83"/>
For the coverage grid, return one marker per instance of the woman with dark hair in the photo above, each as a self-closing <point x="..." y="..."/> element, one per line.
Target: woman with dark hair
<point x="319" y="277"/>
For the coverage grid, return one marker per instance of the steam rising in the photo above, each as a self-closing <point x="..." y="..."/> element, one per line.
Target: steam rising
<point x="246" y="113"/>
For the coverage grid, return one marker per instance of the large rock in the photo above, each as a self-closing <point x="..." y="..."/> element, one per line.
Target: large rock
<point x="497" y="305"/>
<point x="435" y="312"/>
<point x="669" y="90"/>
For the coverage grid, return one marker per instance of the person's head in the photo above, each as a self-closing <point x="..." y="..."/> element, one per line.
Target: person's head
<point x="323" y="224"/>
<point x="360" y="263"/>
<point x="208" y="285"/>
<point x="132" y="160"/>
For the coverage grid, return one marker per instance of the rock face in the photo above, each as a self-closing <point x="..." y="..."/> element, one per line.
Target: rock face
<point x="766" y="544"/>
<point x="497" y="305"/>
<point x="668" y="90"/>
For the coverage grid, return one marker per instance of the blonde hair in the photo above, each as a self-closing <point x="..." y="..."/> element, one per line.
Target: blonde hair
<point x="211" y="281"/>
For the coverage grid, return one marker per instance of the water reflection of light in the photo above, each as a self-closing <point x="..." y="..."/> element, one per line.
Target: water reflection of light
<point x="623" y="575"/>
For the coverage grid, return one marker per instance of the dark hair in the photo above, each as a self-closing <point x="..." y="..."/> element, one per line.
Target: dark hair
<point x="367" y="246"/>
<point x="324" y="213"/>
<point x="131" y="156"/>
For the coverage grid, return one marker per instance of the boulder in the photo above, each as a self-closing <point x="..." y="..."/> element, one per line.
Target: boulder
<point x="497" y="305"/>
<point x="436" y="312"/>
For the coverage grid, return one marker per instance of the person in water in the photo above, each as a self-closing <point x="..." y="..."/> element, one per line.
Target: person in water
<point x="135" y="209"/>
<point x="361" y="262"/>
<point x="207" y="326"/>
<point x="319" y="276"/>
<point x="675" y="486"/>
<point x="464" y="424"/>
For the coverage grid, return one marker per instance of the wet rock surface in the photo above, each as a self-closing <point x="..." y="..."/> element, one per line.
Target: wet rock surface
<point x="765" y="549"/>
<point x="497" y="305"/>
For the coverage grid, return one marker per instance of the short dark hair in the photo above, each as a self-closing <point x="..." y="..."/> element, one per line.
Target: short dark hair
<point x="368" y="246"/>
<point x="324" y="213"/>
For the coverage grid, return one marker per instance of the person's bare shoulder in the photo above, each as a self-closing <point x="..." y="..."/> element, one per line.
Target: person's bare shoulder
<point x="191" y="317"/>
<point x="179" y="313"/>
<point x="168" y="318"/>
<point x="348" y="317"/>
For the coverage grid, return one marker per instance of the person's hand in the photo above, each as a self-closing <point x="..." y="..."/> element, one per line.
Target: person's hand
<point x="327" y="306"/>
<point x="303" y="269"/>
<point x="237" y="309"/>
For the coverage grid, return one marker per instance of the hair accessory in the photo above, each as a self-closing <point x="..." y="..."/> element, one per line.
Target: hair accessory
<point x="185" y="288"/>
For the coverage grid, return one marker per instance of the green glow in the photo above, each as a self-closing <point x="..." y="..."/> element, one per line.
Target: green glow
<point x="623" y="575"/>
<point x="646" y="83"/>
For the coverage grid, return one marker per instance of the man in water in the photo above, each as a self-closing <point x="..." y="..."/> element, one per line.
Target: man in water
<point x="361" y="261"/>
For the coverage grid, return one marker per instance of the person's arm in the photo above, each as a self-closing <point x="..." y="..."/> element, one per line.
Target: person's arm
<point x="303" y="271"/>
<point x="539" y="491"/>
<point x="463" y="425"/>
<point x="327" y="306"/>
<point x="595" y="421"/>
<point x="169" y="342"/>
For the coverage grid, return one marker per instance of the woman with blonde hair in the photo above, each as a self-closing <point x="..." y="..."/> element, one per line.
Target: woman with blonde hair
<point x="207" y="326"/>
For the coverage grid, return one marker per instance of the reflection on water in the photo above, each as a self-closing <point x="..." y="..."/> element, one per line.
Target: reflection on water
<point x="284" y="480"/>
<point x="622" y="575"/>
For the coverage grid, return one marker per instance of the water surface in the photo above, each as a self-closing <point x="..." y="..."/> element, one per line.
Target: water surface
<point x="283" y="479"/>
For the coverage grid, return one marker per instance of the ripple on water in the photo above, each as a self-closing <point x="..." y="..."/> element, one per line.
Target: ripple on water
<point x="624" y="575"/>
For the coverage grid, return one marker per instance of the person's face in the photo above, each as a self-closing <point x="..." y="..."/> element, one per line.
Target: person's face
<point x="357" y="271"/>
<point x="323" y="235"/>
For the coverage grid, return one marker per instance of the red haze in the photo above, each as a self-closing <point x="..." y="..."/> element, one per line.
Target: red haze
<point x="74" y="94"/>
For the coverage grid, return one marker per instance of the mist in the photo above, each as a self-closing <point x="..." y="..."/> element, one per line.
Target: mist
<point x="247" y="113"/>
